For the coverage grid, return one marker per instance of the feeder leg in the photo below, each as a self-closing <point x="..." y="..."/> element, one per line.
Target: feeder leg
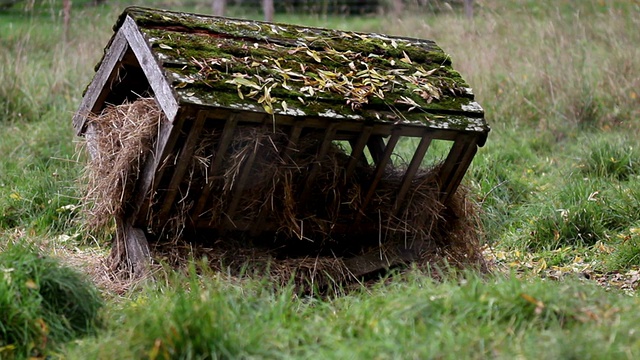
<point x="131" y="249"/>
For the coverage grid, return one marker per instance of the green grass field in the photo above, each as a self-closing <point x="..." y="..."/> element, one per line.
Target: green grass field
<point x="558" y="183"/>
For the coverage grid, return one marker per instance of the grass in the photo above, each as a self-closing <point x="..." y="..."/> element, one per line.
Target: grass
<point x="42" y="303"/>
<point x="558" y="181"/>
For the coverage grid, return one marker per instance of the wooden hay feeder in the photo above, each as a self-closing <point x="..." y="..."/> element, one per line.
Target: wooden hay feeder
<point x="214" y="75"/>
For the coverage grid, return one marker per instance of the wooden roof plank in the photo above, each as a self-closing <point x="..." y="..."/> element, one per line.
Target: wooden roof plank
<point x="155" y="75"/>
<point x="207" y="60"/>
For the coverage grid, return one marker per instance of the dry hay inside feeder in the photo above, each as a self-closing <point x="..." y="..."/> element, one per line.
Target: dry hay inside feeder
<point x="261" y="226"/>
<point x="118" y="141"/>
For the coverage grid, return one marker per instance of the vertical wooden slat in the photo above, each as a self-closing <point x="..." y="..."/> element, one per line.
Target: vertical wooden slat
<point x="221" y="151"/>
<point x="153" y="170"/>
<point x="450" y="163"/>
<point x="377" y="176"/>
<point x="241" y="183"/>
<point x="162" y="90"/>
<point x="183" y="162"/>
<point x="410" y="174"/>
<point x="294" y="136"/>
<point x="357" y="149"/>
<point x="462" y="164"/>
<point x="329" y="134"/>
<point x="376" y="147"/>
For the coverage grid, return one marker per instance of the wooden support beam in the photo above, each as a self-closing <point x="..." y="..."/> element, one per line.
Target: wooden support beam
<point x="239" y="187"/>
<point x="377" y="175"/>
<point x="411" y="171"/>
<point x="218" y="158"/>
<point x="376" y="147"/>
<point x="161" y="88"/>
<point x="462" y="164"/>
<point x="357" y="148"/>
<point x="130" y="249"/>
<point x="182" y="164"/>
<point x="153" y="170"/>
<point x="294" y="136"/>
<point x="315" y="168"/>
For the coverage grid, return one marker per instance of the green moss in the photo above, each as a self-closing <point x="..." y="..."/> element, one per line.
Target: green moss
<point x="347" y="73"/>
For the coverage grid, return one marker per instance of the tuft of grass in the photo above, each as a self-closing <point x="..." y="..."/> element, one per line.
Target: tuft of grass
<point x="617" y="158"/>
<point x="42" y="303"/>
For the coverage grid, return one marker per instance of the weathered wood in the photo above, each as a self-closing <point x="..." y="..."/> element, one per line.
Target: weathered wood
<point x="218" y="158"/>
<point x="157" y="80"/>
<point x="411" y="171"/>
<point x="357" y="149"/>
<point x="315" y="168"/>
<point x="377" y="175"/>
<point x="131" y="247"/>
<point x="153" y="170"/>
<point x="182" y="163"/>
<point x="462" y="164"/>
<point x="239" y="187"/>
<point x="184" y="61"/>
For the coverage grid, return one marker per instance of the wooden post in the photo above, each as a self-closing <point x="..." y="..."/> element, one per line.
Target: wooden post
<point x="267" y="7"/>
<point x="468" y="8"/>
<point x="219" y="7"/>
<point x="398" y="8"/>
<point x="66" y="6"/>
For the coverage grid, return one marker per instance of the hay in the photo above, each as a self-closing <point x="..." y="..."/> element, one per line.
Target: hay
<point x="261" y="226"/>
<point x="118" y="141"/>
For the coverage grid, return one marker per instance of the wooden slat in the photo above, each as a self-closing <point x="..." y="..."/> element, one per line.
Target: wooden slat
<point x="376" y="147"/>
<point x="377" y="176"/>
<point x="411" y="171"/>
<point x="161" y="88"/>
<point x="462" y="164"/>
<point x="241" y="184"/>
<point x="357" y="148"/>
<point x="98" y="86"/>
<point x="345" y="125"/>
<point x="218" y="158"/>
<point x="451" y="163"/>
<point x="294" y="135"/>
<point x="182" y="164"/>
<point x="315" y="168"/>
<point x="168" y="134"/>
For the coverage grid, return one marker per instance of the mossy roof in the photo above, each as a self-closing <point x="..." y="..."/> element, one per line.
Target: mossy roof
<point x="303" y="71"/>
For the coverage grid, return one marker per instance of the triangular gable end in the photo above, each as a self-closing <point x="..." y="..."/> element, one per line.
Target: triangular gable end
<point x="128" y="69"/>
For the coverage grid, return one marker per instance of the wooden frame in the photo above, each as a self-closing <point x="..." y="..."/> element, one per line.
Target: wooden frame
<point x="150" y="67"/>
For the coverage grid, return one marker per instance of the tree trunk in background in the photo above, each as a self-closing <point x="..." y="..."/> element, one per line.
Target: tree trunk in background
<point x="219" y="7"/>
<point x="66" y="11"/>
<point x="267" y="7"/>
<point x="468" y="8"/>
<point x="398" y="8"/>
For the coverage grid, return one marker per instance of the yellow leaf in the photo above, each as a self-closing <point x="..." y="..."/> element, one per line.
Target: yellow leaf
<point x="30" y="284"/>
<point x="406" y="58"/>
<point x="532" y="300"/>
<point x="155" y="350"/>
<point x="15" y="196"/>
<point x="268" y="108"/>
<point x="314" y="55"/>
